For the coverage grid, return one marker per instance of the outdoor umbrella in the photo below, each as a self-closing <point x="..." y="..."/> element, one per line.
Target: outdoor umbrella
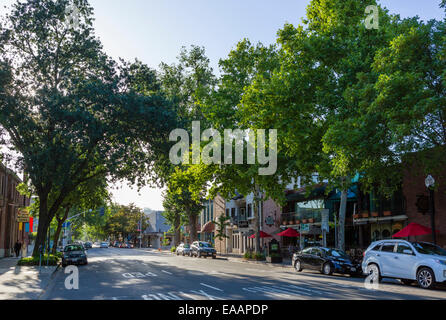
<point x="290" y="232"/>
<point x="262" y="235"/>
<point x="413" y="229"/>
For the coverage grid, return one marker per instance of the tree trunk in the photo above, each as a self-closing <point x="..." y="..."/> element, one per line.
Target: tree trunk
<point x="43" y="225"/>
<point x="177" y="234"/>
<point x="59" y="228"/>
<point x="193" y="227"/>
<point x="256" y="220"/>
<point x="342" y="212"/>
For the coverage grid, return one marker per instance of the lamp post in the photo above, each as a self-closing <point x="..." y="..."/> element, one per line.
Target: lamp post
<point x="430" y="182"/>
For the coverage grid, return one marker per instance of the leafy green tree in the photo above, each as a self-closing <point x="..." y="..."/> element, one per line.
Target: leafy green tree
<point x="124" y="221"/>
<point x="72" y="112"/>
<point x="221" y="224"/>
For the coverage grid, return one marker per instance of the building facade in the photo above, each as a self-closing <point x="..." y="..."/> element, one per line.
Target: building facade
<point x="10" y="202"/>
<point x="153" y="235"/>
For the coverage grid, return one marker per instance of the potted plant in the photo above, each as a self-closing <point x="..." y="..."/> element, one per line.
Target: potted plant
<point x="297" y="221"/>
<point x="274" y="258"/>
<point x="387" y="213"/>
<point x="305" y="221"/>
<point x="311" y="220"/>
<point x="375" y="214"/>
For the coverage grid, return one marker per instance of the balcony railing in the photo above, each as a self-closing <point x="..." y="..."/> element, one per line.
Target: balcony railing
<point x="303" y="216"/>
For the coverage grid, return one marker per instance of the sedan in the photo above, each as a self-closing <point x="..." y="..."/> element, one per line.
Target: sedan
<point x="183" y="249"/>
<point x="74" y="254"/>
<point x="104" y="245"/>
<point x="326" y="261"/>
<point x="203" y="249"/>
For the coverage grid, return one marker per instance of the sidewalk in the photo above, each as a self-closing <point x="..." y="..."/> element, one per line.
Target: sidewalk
<point x="23" y="283"/>
<point x="238" y="258"/>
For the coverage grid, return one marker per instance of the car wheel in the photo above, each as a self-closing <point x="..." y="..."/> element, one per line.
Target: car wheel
<point x="327" y="269"/>
<point x="298" y="266"/>
<point x="374" y="269"/>
<point x="426" y="278"/>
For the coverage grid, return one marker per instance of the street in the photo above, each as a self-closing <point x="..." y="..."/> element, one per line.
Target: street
<point x="144" y="274"/>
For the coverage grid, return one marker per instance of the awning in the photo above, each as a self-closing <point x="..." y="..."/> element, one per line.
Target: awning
<point x="208" y="227"/>
<point x="413" y="229"/>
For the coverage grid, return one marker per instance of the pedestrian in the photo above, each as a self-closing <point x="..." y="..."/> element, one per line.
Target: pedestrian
<point x="17" y="248"/>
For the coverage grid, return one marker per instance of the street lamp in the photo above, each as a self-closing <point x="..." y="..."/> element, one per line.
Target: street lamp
<point x="430" y="182"/>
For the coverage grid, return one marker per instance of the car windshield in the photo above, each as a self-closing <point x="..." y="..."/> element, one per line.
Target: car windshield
<point x="73" y="248"/>
<point x="336" y="253"/>
<point x="205" y="245"/>
<point x="429" y="248"/>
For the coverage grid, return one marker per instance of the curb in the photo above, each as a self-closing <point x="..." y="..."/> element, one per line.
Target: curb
<point x="272" y="265"/>
<point x="52" y="276"/>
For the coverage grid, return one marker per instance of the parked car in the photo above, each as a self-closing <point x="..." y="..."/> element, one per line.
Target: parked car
<point x="88" y="245"/>
<point x="183" y="249"/>
<point x="326" y="261"/>
<point x="104" y="245"/>
<point x="203" y="249"/>
<point x="74" y="254"/>
<point x="421" y="262"/>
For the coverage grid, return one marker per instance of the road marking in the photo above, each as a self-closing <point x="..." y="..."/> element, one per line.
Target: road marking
<point x="209" y="296"/>
<point x="161" y="296"/>
<point x="206" y="285"/>
<point x="166" y="272"/>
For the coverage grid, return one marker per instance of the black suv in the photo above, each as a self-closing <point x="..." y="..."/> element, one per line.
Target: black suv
<point x="202" y="249"/>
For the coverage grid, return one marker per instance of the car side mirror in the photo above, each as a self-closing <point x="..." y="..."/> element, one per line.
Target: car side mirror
<point x="407" y="251"/>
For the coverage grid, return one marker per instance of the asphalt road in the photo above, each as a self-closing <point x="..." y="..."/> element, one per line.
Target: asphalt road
<point x="140" y="274"/>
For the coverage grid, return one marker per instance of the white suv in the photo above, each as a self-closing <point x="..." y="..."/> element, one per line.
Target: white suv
<point x="409" y="261"/>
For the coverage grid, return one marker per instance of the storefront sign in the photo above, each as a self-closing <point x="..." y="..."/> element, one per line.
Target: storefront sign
<point x="23" y="215"/>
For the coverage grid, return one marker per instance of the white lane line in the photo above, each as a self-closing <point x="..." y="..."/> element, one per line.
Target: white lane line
<point x="166" y="272"/>
<point x="206" y="285"/>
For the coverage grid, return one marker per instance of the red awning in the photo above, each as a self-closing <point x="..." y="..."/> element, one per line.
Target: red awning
<point x="208" y="227"/>
<point x="291" y="233"/>
<point x="262" y="235"/>
<point x="413" y="229"/>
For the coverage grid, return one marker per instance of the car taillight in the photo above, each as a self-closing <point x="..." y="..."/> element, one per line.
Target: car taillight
<point x="363" y="254"/>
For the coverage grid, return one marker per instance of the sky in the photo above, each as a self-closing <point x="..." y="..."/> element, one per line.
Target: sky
<point x="155" y="30"/>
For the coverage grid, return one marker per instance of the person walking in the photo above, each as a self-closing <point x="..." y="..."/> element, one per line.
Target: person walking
<point x="17" y="248"/>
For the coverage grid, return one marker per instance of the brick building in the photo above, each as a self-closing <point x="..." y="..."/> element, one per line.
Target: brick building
<point x="418" y="205"/>
<point x="10" y="202"/>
